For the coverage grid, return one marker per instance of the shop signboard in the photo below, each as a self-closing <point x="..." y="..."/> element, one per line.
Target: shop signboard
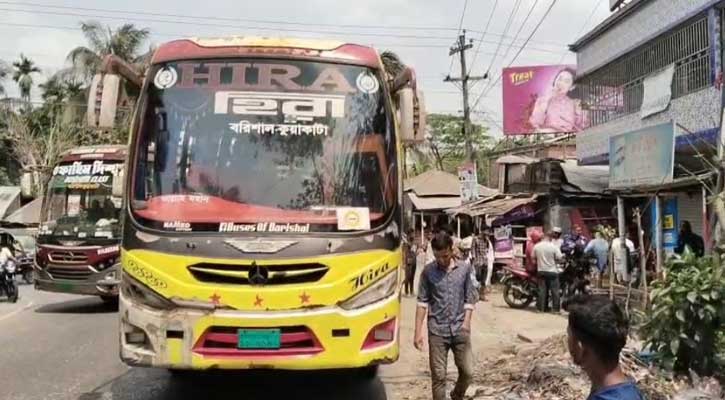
<point x="642" y="158"/>
<point x="468" y="181"/>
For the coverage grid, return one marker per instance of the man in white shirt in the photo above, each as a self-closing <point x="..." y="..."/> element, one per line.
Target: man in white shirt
<point x="556" y="237"/>
<point x="620" y="258"/>
<point x="548" y="255"/>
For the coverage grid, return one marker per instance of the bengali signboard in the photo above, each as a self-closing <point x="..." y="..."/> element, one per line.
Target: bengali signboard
<point x="644" y="157"/>
<point x="468" y="182"/>
<point x="541" y="99"/>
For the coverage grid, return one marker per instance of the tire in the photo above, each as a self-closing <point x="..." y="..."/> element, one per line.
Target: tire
<point x="513" y="297"/>
<point x="111" y="301"/>
<point x="369" y="372"/>
<point x="28" y="277"/>
<point x="12" y="289"/>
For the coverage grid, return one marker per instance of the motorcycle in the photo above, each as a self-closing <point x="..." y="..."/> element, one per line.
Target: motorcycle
<point x="7" y="282"/>
<point x="25" y="268"/>
<point x="521" y="288"/>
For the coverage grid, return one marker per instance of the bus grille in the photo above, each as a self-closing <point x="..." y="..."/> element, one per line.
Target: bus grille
<point x="67" y="257"/>
<point x="69" y="273"/>
<point x="221" y="341"/>
<point x="253" y="274"/>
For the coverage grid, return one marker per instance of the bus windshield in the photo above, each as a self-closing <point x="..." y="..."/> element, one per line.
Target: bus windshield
<point x="264" y="146"/>
<point x="80" y="201"/>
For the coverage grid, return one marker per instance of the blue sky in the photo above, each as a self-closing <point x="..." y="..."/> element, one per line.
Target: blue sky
<point x="420" y="31"/>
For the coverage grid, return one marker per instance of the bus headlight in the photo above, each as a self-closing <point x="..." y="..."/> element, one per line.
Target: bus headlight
<point x="138" y="292"/>
<point x="381" y="289"/>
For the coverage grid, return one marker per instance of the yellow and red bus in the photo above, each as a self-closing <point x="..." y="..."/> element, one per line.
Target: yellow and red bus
<point x="263" y="213"/>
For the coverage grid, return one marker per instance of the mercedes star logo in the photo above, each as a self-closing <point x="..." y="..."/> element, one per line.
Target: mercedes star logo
<point x="258" y="274"/>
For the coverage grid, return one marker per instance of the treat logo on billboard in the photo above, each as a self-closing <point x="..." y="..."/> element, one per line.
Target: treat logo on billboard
<point x="519" y="78"/>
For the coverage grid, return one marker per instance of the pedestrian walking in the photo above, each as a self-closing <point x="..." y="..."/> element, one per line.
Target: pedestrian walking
<point x="479" y="253"/>
<point x="490" y="259"/>
<point x="548" y="257"/>
<point x="597" y="333"/>
<point x="422" y="257"/>
<point x="446" y="298"/>
<point x="409" y="252"/>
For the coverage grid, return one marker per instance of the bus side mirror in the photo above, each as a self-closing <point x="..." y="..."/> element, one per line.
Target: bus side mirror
<point x="103" y="100"/>
<point x="411" y="116"/>
<point x="118" y="184"/>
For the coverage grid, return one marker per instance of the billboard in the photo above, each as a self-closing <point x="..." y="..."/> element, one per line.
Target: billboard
<point x="541" y="99"/>
<point x="644" y="157"/>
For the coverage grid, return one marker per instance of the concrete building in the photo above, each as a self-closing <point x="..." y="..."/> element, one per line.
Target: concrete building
<point x="621" y="65"/>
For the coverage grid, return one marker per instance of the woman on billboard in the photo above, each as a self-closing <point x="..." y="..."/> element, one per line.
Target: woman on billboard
<point x="556" y="110"/>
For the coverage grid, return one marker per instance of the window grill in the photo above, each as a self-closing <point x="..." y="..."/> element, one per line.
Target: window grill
<point x="617" y="89"/>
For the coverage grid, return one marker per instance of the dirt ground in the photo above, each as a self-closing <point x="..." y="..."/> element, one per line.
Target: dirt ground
<point x="495" y="327"/>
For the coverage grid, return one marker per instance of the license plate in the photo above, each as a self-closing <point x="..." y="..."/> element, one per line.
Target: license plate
<point x="259" y="339"/>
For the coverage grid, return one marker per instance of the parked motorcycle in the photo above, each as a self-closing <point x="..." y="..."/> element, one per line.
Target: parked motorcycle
<point x="521" y="288"/>
<point x="25" y="267"/>
<point x="7" y="282"/>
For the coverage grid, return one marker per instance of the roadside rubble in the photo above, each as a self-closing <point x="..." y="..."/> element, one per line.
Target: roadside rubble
<point x="545" y="371"/>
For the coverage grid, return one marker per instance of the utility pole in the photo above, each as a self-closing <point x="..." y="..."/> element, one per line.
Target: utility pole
<point x="460" y="48"/>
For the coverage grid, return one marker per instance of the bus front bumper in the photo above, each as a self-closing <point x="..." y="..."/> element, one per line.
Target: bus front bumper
<point x="103" y="283"/>
<point x="319" y="338"/>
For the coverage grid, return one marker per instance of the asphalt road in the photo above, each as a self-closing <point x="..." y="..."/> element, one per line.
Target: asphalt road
<point x="56" y="346"/>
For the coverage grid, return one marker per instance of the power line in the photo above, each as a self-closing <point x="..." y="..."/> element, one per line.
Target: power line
<point x="216" y="18"/>
<point x="179" y="35"/>
<point x="584" y="26"/>
<point x="460" y="25"/>
<point x="217" y="25"/>
<point x="506" y="29"/>
<point x="483" y="35"/>
<point x="521" y="28"/>
<point x="533" y="32"/>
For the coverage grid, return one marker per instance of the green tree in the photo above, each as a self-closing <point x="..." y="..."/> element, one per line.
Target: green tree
<point x="23" y="71"/>
<point x="125" y="42"/>
<point x="4" y="72"/>
<point x="447" y="141"/>
<point x="687" y="315"/>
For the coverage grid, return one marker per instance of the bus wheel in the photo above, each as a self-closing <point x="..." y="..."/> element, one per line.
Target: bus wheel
<point x="111" y="301"/>
<point x="369" y="372"/>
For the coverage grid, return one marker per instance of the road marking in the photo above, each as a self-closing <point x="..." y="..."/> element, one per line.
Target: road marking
<point x="15" y="312"/>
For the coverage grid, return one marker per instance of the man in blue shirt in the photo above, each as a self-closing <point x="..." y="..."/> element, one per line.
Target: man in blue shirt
<point x="597" y="334"/>
<point x="446" y="297"/>
<point x="599" y="248"/>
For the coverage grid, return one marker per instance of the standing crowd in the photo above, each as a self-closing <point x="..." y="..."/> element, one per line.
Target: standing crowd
<point x="451" y="275"/>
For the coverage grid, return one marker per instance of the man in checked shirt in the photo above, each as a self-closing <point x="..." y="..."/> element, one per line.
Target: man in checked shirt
<point x="446" y="296"/>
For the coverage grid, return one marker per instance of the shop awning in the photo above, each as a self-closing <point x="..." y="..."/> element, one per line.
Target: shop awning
<point x="9" y="200"/>
<point x="434" y="203"/>
<point x="494" y="206"/>
<point x="28" y="214"/>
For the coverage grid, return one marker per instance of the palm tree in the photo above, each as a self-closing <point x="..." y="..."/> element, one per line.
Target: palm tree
<point x="23" y="76"/>
<point x="391" y="63"/>
<point x="124" y="42"/>
<point x="4" y="71"/>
